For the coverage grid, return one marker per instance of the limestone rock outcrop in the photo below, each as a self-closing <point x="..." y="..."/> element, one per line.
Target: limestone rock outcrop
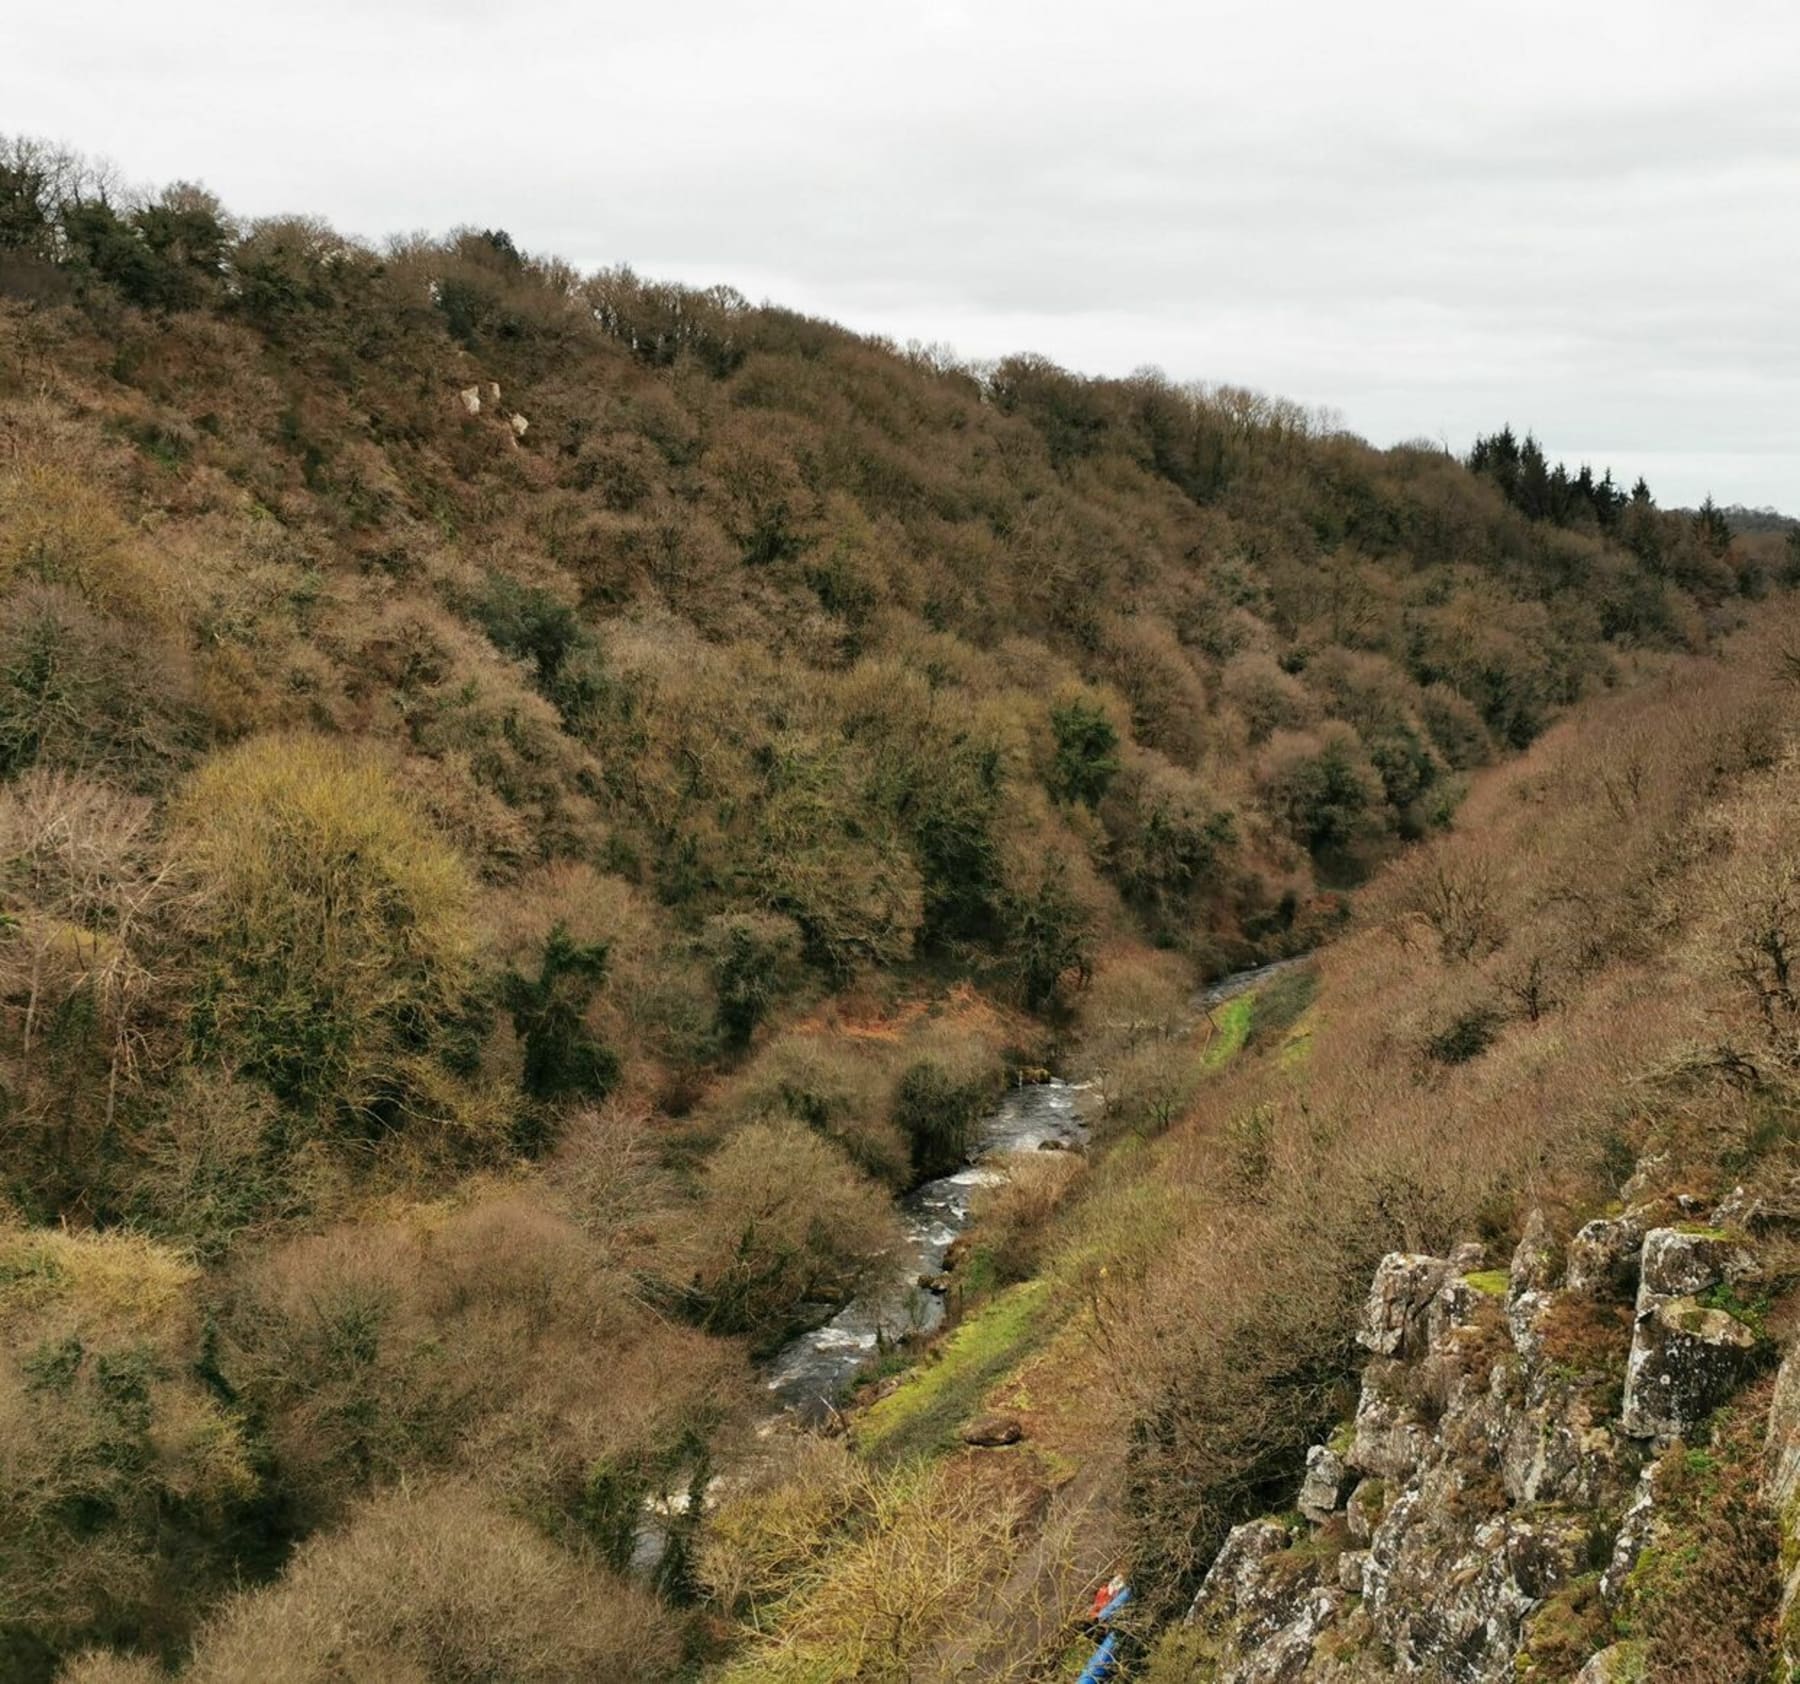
<point x="1687" y="1355"/>
<point x="1500" y="1467"/>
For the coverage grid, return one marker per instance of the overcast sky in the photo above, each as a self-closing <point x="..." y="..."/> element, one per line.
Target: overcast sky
<point x="1581" y="217"/>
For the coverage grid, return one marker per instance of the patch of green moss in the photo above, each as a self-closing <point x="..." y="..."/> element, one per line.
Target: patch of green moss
<point x="1297" y="1048"/>
<point x="1183" y="1655"/>
<point x="1231" y="1029"/>
<point x="1752" y="1312"/>
<point x="1660" y="1575"/>
<point x="1310" y="1548"/>
<point x="1493" y="1282"/>
<point x="924" y="1412"/>
<point x="978" y="1275"/>
<point x="1570" y="1626"/>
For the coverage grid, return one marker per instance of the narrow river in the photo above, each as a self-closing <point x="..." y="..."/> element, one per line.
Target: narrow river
<point x="805" y="1377"/>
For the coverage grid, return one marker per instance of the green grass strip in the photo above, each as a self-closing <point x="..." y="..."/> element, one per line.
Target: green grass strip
<point x="936" y="1399"/>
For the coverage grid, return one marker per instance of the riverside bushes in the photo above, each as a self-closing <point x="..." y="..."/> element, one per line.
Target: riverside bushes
<point x="786" y="1222"/>
<point x="940" y="1096"/>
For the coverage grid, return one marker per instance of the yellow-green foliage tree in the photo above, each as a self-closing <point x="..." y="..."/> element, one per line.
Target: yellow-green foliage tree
<point x="114" y="1444"/>
<point x="334" y="930"/>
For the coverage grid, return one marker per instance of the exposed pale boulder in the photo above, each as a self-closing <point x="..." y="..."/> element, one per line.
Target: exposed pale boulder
<point x="1323" y="1487"/>
<point x="1637" y="1532"/>
<point x="993" y="1431"/>
<point x="1687" y="1357"/>
<point x="1603" y="1257"/>
<point x="1685" y="1361"/>
<point x="1678" y="1262"/>
<point x="1366" y="1505"/>
<point x="1395" y="1321"/>
<point x="1533" y="1259"/>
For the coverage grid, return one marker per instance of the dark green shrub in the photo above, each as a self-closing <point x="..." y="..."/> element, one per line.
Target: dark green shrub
<point x="126" y="1477"/>
<point x="939" y="1107"/>
<point x="753" y="957"/>
<point x="1087" y="746"/>
<point x="1467" y="1036"/>
<point x="563" y="1060"/>
<point x="472" y="308"/>
<point x="1049" y="937"/>
<point x="1322" y="788"/>
<point x="530" y="624"/>
<point x="1170" y="845"/>
<point x="160" y="258"/>
<point x="957" y="807"/>
<point x="612" y="1510"/>
<point x="1404" y="764"/>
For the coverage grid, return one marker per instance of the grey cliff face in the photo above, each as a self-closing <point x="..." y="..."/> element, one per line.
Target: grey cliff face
<point x="1503" y="1454"/>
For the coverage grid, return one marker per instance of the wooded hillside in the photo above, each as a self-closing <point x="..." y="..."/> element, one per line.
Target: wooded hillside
<point x="530" y="803"/>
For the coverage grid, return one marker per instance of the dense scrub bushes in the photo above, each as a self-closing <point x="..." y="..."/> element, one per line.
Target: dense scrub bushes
<point x="1141" y="1047"/>
<point x="121" y="1466"/>
<point x="837" y="1089"/>
<point x="429" y="851"/>
<point x="787" y="1224"/>
<point x="152" y="1450"/>
<point x="429" y="1584"/>
<point x="1586" y="974"/>
<point x="455" y="1337"/>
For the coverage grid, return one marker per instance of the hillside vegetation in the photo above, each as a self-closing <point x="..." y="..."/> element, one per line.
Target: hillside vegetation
<point x="531" y="804"/>
<point x="1580" y="999"/>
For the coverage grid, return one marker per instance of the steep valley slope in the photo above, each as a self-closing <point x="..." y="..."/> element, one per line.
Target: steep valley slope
<point x="533" y="806"/>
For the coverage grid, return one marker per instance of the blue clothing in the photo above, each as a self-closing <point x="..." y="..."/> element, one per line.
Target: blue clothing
<point x="1105" y="1661"/>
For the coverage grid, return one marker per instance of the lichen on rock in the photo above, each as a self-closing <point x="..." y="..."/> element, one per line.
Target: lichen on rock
<point x="1686" y="1357"/>
<point x="1494" y="1493"/>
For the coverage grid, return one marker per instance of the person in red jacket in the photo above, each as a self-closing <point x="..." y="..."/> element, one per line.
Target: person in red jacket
<point x="1105" y="1595"/>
